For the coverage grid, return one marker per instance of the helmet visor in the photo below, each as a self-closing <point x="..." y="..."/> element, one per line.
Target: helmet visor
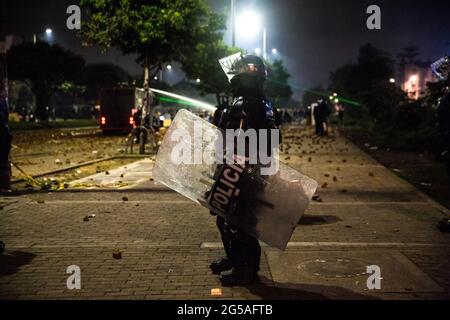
<point x="229" y="65"/>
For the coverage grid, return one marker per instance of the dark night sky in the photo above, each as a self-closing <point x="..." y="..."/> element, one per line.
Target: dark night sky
<point x="313" y="36"/>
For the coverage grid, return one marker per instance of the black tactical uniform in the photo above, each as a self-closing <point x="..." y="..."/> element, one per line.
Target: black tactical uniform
<point x="250" y="110"/>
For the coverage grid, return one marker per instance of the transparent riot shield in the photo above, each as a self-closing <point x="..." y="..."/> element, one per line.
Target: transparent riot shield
<point x="266" y="207"/>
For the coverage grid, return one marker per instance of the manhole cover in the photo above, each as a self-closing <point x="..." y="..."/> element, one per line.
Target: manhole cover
<point x="334" y="268"/>
<point x="347" y="269"/>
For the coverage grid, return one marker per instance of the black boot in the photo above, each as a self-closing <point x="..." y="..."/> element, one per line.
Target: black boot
<point x="219" y="266"/>
<point x="238" y="277"/>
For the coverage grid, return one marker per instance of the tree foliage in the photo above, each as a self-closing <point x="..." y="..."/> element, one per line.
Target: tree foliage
<point x="203" y="64"/>
<point x="367" y="82"/>
<point x="277" y="85"/>
<point x="157" y="31"/>
<point x="44" y="68"/>
<point x="407" y="56"/>
<point x="102" y="75"/>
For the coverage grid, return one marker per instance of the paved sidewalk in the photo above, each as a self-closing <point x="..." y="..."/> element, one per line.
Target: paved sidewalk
<point x="368" y="216"/>
<point x="125" y="177"/>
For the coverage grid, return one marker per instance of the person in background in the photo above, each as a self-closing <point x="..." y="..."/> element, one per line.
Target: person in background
<point x="341" y="113"/>
<point x="321" y="113"/>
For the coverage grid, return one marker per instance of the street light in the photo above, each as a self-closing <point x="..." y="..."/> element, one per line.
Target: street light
<point x="169" y="67"/>
<point x="274" y="51"/>
<point x="248" y="23"/>
<point x="49" y="34"/>
<point x="392" y="80"/>
<point x="198" y="80"/>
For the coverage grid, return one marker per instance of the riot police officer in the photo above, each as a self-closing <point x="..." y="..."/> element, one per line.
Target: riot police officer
<point x="442" y="69"/>
<point x="250" y="110"/>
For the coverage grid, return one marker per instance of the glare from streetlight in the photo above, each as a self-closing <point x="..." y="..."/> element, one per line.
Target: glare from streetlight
<point x="248" y="23"/>
<point x="337" y="100"/>
<point x="274" y="51"/>
<point x="48" y="31"/>
<point x="335" y="94"/>
<point x="198" y="80"/>
<point x="169" y="67"/>
<point x="392" y="80"/>
<point x="258" y="51"/>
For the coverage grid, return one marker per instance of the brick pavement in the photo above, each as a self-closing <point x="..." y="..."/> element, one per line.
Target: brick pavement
<point x="167" y="242"/>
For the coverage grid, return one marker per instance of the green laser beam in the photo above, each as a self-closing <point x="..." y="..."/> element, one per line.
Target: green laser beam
<point x="178" y="101"/>
<point x="183" y="100"/>
<point x="323" y="94"/>
<point x="327" y="95"/>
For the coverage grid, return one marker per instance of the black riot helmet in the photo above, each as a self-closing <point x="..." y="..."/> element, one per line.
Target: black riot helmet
<point x="247" y="74"/>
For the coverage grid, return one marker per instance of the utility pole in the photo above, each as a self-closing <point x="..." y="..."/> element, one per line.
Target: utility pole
<point x="233" y="23"/>
<point x="264" y="43"/>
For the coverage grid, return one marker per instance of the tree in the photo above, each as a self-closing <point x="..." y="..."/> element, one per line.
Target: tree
<point x="203" y="64"/>
<point x="367" y="82"/>
<point x="407" y="56"/>
<point x="21" y="98"/>
<point x="102" y="75"/>
<point x="156" y="31"/>
<point x="277" y="85"/>
<point x="44" y="68"/>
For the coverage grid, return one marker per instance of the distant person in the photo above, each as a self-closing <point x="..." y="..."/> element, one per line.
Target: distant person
<point x="217" y="115"/>
<point x="341" y="113"/>
<point x="5" y="144"/>
<point x="300" y="115"/>
<point x="318" y="120"/>
<point x="327" y="111"/>
<point x="137" y="117"/>
<point x="277" y="113"/>
<point x="287" y="118"/>
<point x="321" y="113"/>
